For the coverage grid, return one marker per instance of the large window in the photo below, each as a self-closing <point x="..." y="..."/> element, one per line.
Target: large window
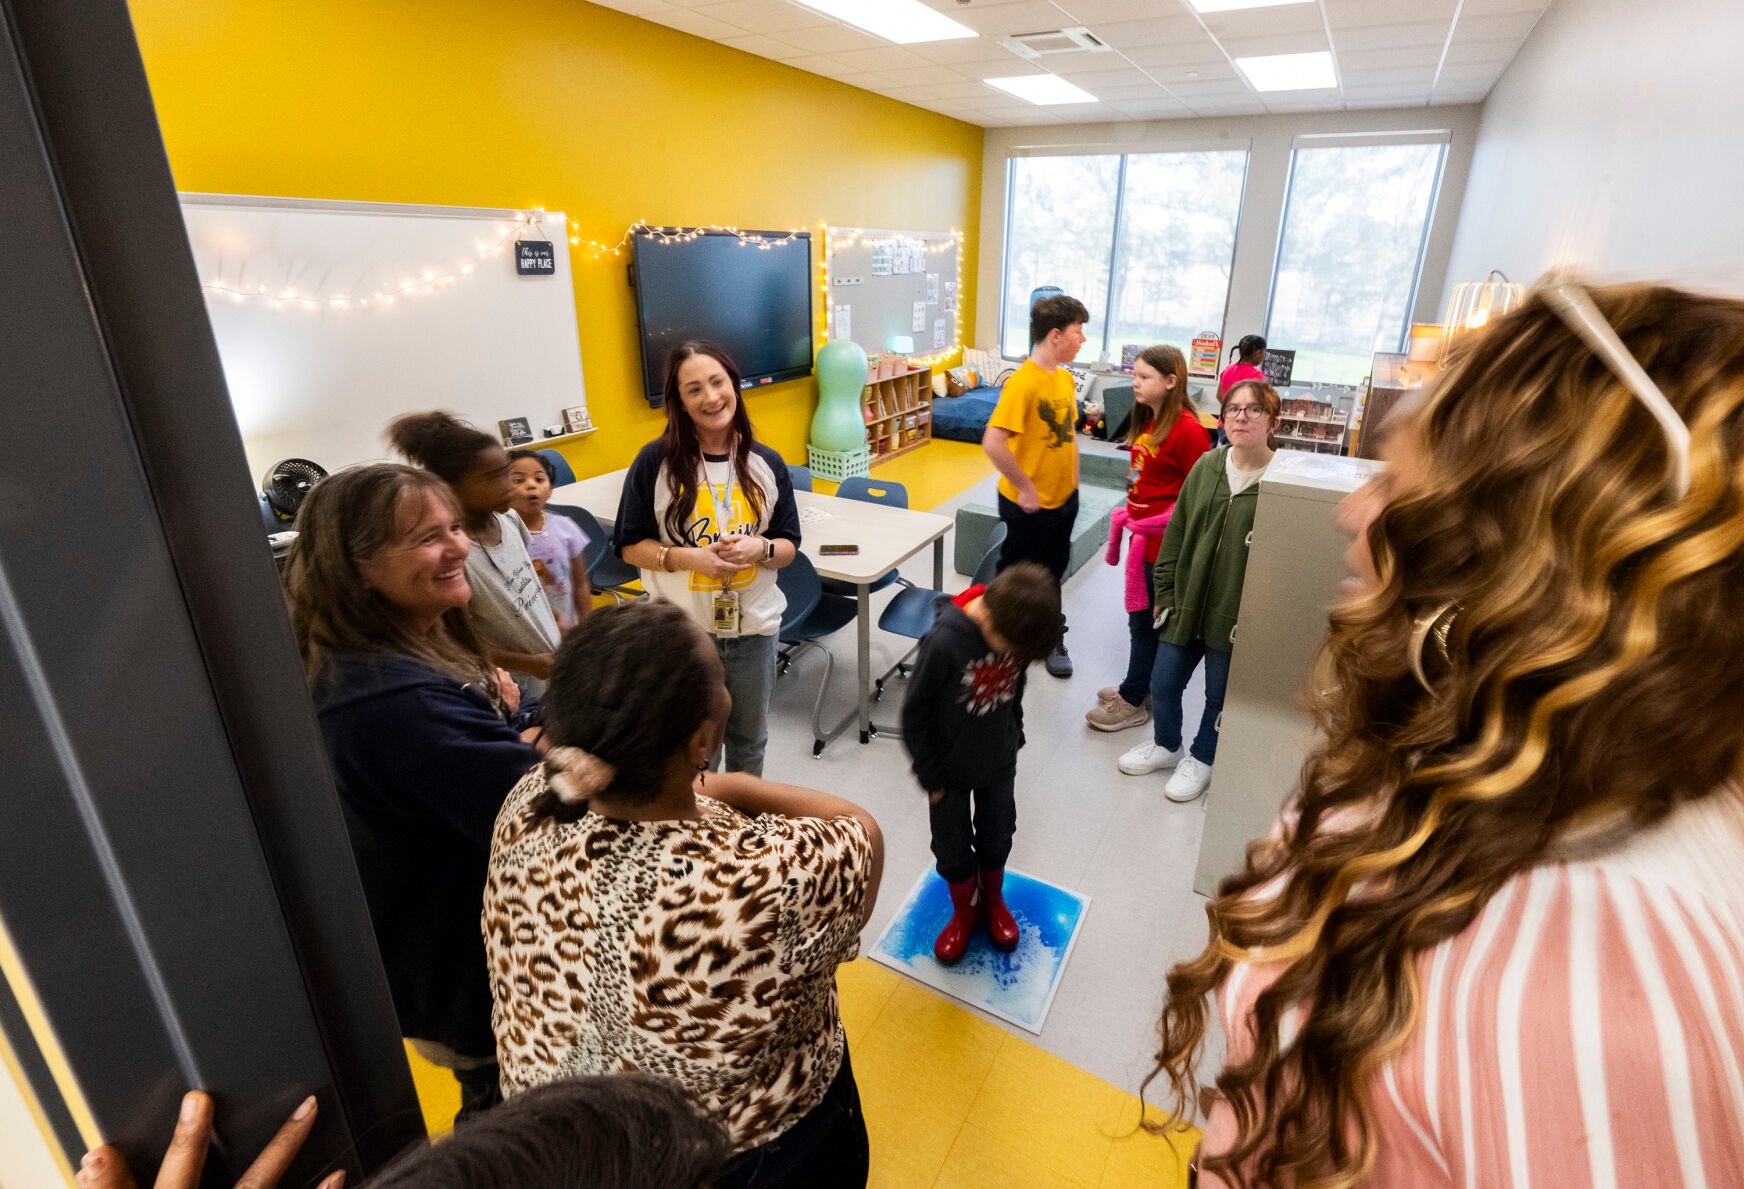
<point x="1144" y="241"/>
<point x="1355" y="223"/>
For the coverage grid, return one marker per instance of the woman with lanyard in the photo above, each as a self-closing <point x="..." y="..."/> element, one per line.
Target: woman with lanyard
<point x="707" y="514"/>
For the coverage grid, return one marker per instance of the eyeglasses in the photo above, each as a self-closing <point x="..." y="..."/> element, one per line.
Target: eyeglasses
<point x="1242" y="412"/>
<point x="1576" y="307"/>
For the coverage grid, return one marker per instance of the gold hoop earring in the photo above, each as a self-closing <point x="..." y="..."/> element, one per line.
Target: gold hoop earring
<point x="1438" y="623"/>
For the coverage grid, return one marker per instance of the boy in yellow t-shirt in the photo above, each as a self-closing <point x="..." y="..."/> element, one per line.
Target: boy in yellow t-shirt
<point x="1030" y="440"/>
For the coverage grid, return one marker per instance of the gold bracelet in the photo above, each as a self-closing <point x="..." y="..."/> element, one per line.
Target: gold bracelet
<point x="661" y="560"/>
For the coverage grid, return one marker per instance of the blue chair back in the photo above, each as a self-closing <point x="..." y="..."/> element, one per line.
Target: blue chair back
<point x="561" y="470"/>
<point x="989" y="564"/>
<point x="597" y="541"/>
<point x="798" y="581"/>
<point x="873" y="491"/>
<point x="801" y="476"/>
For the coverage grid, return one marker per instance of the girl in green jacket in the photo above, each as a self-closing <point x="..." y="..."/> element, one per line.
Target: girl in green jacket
<point x="1198" y="588"/>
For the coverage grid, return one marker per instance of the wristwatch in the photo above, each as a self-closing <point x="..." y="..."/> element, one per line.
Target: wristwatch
<point x="768" y="549"/>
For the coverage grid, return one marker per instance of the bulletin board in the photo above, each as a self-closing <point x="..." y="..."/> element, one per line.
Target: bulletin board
<point x="332" y="318"/>
<point x="883" y="286"/>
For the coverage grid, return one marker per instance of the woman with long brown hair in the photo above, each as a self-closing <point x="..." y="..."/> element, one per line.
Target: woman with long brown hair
<point x="707" y="514"/>
<point x="1498" y="939"/>
<point x="1166" y="439"/>
<point x="425" y="737"/>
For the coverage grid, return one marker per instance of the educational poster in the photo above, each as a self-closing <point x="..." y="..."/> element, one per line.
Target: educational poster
<point x="950" y="306"/>
<point x="932" y="288"/>
<point x="920" y="318"/>
<point x="1018" y="986"/>
<point x="939" y="334"/>
<point x="842" y="325"/>
<point x="1206" y="355"/>
<point x="883" y="257"/>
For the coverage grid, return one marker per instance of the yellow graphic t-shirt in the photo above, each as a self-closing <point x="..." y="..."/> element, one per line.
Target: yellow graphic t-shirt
<point x="1039" y="410"/>
<point x="708" y="525"/>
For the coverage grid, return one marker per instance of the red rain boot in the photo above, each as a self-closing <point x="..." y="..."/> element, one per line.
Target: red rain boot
<point x="1001" y="925"/>
<point x="953" y="939"/>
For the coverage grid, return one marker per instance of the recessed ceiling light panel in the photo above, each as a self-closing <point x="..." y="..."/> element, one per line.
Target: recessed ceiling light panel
<point x="1237" y="5"/>
<point x="1289" y="72"/>
<point x="1042" y="89"/>
<point x="906" y="22"/>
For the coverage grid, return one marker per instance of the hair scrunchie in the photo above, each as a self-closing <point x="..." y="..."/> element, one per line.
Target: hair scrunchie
<point x="576" y="775"/>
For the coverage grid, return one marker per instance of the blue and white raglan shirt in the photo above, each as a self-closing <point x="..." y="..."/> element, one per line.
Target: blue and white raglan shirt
<point x="642" y="513"/>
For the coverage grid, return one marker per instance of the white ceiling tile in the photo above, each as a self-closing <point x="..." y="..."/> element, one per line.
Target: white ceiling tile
<point x="956" y="89"/>
<point x="1162" y="108"/>
<point x="766" y="47"/>
<point x="1356" y="102"/>
<point x="965" y="50"/>
<point x="1117" y="95"/>
<point x="1088" y="12"/>
<point x="884" y="57"/>
<point x="1510" y="26"/>
<point x="824" y="64"/>
<point x="1091" y="113"/>
<point x="832" y="38"/>
<point x="1386" y="37"/>
<point x="1098" y="69"/>
<point x="1319" y="100"/>
<point x="1210" y="89"/>
<point x="870" y="80"/>
<point x="686" y="21"/>
<point x="768" y="17"/>
<point x="1469" y="74"/>
<point x="1282" y="43"/>
<point x="1462" y="52"/>
<point x="1265" y="22"/>
<point x="1176" y="55"/>
<point x="637" y="7"/>
<point x="1197" y="72"/>
<point x="1387" y="77"/>
<point x="1353" y="14"/>
<point x="1165" y="30"/>
<point x="1390" y="59"/>
<point x="1461" y="94"/>
<point x="1394" y="94"/>
<point x="933" y="78"/>
<point x="1228" y="105"/>
<point x="1002" y="20"/>
<point x="1481" y="8"/>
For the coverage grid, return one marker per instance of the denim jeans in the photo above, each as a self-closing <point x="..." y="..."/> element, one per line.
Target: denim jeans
<point x="750" y="665"/>
<point x="1141" y="654"/>
<point x="1174" y="668"/>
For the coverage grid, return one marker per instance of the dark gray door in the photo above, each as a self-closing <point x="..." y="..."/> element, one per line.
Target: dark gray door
<point x="174" y="873"/>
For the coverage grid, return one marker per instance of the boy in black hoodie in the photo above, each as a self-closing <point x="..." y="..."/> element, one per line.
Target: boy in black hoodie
<point x="962" y="722"/>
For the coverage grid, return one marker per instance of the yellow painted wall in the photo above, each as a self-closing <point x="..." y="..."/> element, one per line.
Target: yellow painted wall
<point x="558" y="104"/>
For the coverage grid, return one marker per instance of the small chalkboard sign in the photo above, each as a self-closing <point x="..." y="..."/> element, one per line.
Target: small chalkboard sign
<point x="516" y="431"/>
<point x="1278" y="365"/>
<point x="535" y="258"/>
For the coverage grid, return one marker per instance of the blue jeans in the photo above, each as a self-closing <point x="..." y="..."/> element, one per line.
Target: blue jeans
<point x="1141" y="655"/>
<point x="750" y="665"/>
<point x="1174" y="668"/>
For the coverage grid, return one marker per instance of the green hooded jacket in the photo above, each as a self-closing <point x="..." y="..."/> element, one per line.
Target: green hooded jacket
<point x="1204" y="556"/>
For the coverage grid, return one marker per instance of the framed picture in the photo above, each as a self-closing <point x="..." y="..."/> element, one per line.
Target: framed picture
<point x="516" y="431"/>
<point x="575" y="419"/>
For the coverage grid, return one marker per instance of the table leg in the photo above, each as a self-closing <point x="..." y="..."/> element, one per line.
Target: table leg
<point x="939" y="564"/>
<point x="863" y="645"/>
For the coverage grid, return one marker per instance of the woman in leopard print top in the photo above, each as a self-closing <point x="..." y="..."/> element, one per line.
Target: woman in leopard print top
<point x="632" y="922"/>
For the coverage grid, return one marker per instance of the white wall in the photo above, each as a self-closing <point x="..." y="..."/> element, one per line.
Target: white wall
<point x="1611" y="144"/>
<point x="1268" y="140"/>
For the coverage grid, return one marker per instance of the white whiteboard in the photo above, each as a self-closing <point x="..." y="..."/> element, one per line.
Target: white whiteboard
<point x="318" y="363"/>
<point x="885" y="284"/>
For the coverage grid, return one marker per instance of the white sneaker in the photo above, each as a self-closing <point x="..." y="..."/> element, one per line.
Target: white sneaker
<point x="1148" y="757"/>
<point x="1191" y="778"/>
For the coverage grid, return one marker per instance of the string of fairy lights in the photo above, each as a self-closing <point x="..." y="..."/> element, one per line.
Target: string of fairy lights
<point x="418" y="283"/>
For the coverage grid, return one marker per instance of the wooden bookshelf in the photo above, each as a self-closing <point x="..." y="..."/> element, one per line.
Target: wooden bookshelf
<point x="898" y="413"/>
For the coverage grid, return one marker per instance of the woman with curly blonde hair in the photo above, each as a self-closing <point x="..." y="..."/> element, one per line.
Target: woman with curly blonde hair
<point x="1498" y="939"/>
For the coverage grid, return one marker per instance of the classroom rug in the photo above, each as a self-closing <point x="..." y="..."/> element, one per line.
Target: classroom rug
<point x="1017" y="987"/>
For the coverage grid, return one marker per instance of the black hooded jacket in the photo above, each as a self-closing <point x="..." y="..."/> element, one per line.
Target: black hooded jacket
<point x="962" y="718"/>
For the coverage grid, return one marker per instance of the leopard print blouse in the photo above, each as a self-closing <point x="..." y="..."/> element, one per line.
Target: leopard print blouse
<point x="704" y="951"/>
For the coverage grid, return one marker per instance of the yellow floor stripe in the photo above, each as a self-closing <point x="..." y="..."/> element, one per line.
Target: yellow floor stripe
<point x="47" y="1044"/>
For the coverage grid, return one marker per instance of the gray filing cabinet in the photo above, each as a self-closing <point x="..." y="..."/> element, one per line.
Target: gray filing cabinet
<point x="1294" y="567"/>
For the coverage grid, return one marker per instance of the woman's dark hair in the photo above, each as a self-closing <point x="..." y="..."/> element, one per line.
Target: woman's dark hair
<point x="628" y="686"/>
<point x="681" y="453"/>
<point x="439" y="442"/>
<point x="1250" y="345"/>
<point x="1024" y="603"/>
<point x="348" y="518"/>
<point x="550" y="471"/>
<point x="616" y="1131"/>
<point x="1167" y="361"/>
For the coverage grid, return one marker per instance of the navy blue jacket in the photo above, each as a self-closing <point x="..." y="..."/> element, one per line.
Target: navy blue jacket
<point x="423" y="764"/>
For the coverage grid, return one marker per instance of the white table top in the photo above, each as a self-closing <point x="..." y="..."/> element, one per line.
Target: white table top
<point x="887" y="536"/>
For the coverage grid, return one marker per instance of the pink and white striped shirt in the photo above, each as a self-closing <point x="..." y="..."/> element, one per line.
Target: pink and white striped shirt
<point x="1586" y="1031"/>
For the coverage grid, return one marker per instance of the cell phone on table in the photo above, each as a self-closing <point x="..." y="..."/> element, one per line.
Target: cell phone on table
<point x="838" y="550"/>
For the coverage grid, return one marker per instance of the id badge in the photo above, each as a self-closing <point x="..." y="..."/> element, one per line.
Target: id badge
<point x="726" y="613"/>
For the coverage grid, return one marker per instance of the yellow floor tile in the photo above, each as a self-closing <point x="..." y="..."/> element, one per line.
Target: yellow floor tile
<point x="939" y="471"/>
<point x="919" y="1070"/>
<point x="438" y="1093"/>
<point x="1036" y="1114"/>
<point x="863" y="987"/>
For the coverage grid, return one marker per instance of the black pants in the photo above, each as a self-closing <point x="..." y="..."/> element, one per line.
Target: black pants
<point x="827" y="1146"/>
<point x="1044" y="537"/>
<point x="480" y="1088"/>
<point x="962" y="845"/>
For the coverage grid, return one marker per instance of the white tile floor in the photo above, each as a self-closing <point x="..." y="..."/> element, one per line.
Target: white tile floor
<point x="1081" y="822"/>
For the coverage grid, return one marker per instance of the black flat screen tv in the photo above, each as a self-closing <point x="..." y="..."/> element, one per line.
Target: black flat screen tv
<point x="753" y="302"/>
